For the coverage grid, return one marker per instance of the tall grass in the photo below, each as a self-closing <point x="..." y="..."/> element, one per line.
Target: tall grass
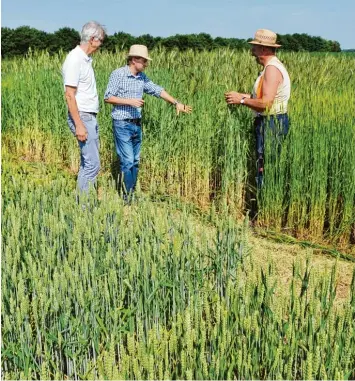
<point x="113" y="293"/>
<point x="204" y="157"/>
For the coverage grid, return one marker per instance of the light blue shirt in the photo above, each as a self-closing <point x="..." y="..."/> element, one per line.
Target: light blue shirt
<point x="123" y="84"/>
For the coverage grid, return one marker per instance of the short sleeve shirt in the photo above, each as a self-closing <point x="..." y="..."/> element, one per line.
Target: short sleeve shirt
<point x="78" y="72"/>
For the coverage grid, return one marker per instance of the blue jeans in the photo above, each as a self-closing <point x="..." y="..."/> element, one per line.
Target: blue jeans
<point x="89" y="151"/>
<point x="275" y="126"/>
<point x="128" y="141"/>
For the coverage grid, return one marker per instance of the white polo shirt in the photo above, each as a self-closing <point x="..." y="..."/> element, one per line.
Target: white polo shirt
<point x="78" y="72"/>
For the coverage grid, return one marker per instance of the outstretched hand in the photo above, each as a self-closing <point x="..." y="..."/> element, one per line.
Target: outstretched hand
<point x="183" y="108"/>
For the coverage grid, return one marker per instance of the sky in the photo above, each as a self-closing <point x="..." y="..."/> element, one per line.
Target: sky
<point x="332" y="20"/>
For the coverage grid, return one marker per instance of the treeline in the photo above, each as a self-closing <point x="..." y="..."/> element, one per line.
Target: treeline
<point x="16" y="42"/>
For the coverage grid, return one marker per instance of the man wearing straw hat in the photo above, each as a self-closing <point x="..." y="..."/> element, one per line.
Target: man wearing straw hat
<point x="125" y="91"/>
<point x="270" y="95"/>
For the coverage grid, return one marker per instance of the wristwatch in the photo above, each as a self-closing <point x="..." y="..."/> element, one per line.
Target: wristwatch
<point x="242" y="101"/>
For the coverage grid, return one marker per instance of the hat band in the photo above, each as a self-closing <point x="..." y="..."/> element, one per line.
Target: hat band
<point x="269" y="40"/>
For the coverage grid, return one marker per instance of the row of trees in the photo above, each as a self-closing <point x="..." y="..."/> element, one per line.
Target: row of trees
<point x="15" y="42"/>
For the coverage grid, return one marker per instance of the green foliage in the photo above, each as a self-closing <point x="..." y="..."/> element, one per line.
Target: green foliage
<point x="305" y="43"/>
<point x="106" y="292"/>
<point x="64" y="39"/>
<point x="18" y="41"/>
<point x="208" y="157"/>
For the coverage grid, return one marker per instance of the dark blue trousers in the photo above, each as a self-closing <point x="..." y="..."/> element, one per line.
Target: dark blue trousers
<point x="274" y="126"/>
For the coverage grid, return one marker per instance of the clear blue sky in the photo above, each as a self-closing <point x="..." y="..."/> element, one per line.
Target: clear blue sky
<point x="332" y="20"/>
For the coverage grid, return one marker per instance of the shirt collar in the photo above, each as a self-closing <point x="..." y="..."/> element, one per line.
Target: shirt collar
<point x="83" y="54"/>
<point x="129" y="73"/>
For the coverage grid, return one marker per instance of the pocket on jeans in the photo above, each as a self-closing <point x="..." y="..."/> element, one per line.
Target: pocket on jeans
<point x="120" y="124"/>
<point x="85" y="117"/>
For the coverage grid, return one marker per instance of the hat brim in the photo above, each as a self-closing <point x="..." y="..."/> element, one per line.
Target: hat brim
<point x="263" y="44"/>
<point x="137" y="55"/>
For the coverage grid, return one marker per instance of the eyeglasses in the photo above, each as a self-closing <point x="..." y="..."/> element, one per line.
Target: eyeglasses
<point x="99" y="39"/>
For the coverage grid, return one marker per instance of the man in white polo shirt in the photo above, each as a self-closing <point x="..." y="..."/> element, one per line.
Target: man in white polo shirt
<point x="83" y="102"/>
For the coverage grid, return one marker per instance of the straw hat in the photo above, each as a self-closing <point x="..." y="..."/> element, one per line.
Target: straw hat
<point x="265" y="37"/>
<point x="139" y="51"/>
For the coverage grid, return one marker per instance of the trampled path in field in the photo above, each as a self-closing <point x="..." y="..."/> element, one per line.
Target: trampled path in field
<point x="264" y="251"/>
<point x="284" y="255"/>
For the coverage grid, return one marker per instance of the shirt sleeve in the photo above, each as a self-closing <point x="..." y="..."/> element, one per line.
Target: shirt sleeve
<point x="71" y="73"/>
<point x="151" y="88"/>
<point x="112" y="86"/>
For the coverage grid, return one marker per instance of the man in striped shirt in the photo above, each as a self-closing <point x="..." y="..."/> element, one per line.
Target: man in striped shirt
<point x="124" y="91"/>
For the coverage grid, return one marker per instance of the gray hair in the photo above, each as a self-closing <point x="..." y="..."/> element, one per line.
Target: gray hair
<point x="92" y="29"/>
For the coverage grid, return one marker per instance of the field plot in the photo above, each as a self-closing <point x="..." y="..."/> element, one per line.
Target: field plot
<point x="176" y="286"/>
<point x="208" y="156"/>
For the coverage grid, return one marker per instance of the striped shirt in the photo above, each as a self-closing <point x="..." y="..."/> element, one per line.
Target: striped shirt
<point x="123" y="84"/>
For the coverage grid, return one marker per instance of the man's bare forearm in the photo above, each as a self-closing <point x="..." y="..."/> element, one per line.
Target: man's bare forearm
<point x="117" y="101"/>
<point x="73" y="108"/>
<point x="258" y="105"/>
<point x="167" y="97"/>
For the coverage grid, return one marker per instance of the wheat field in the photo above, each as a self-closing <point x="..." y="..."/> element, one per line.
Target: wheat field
<point x="143" y="291"/>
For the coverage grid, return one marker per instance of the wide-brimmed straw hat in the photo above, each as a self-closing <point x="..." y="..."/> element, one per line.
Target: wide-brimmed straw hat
<point x="139" y="51"/>
<point x="265" y="37"/>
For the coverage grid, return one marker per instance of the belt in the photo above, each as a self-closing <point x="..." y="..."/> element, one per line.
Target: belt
<point x="88" y="112"/>
<point x="269" y="116"/>
<point x="136" y="121"/>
